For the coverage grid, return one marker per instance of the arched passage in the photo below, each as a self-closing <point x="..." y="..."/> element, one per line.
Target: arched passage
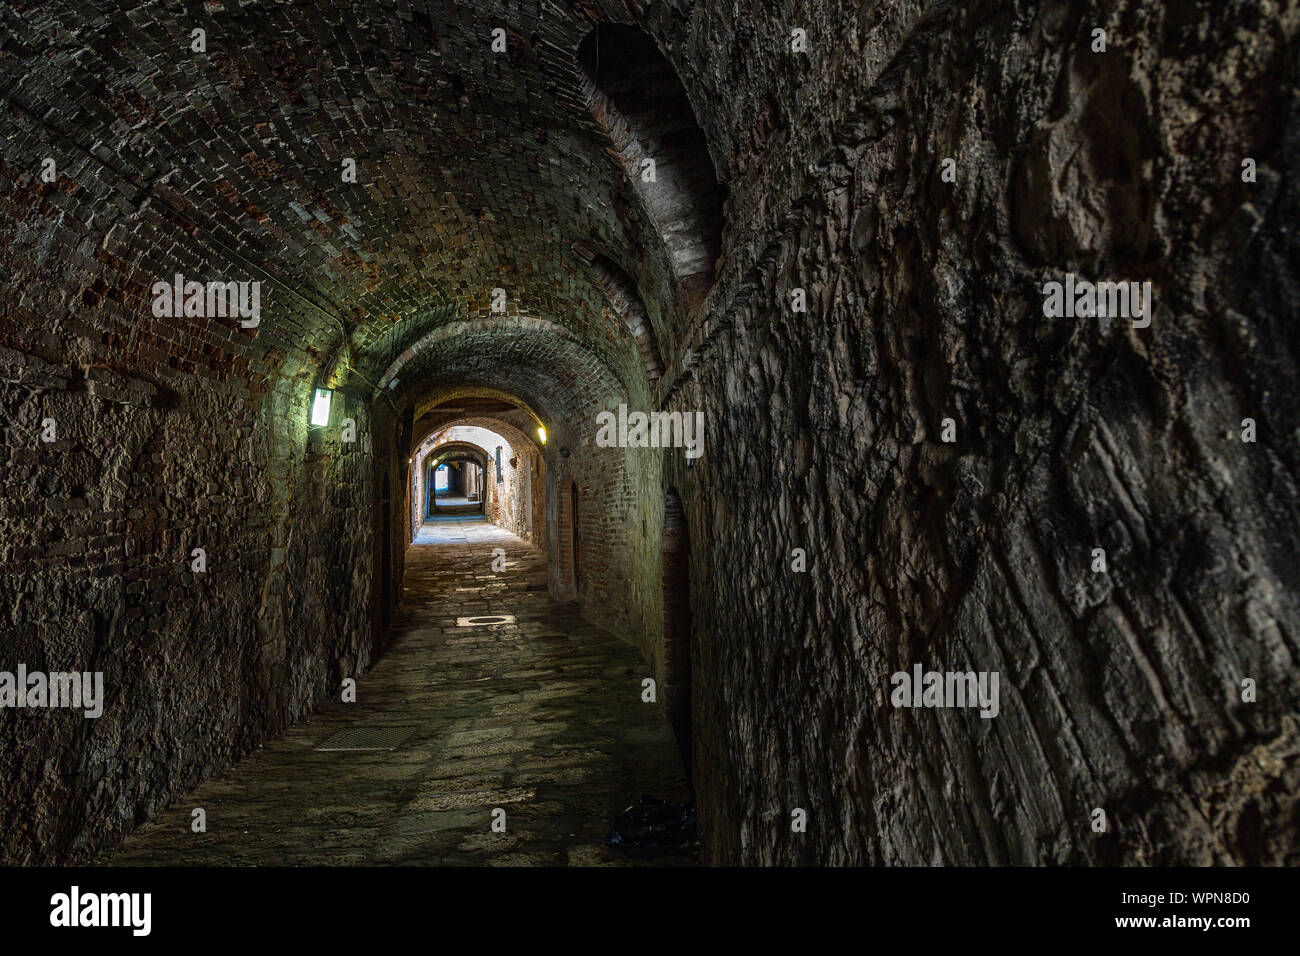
<point x="910" y="460"/>
<point x="454" y="484"/>
<point x="460" y="467"/>
<point x="559" y="385"/>
<point x="492" y="432"/>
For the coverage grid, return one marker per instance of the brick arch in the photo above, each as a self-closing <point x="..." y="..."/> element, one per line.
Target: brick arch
<point x="525" y="475"/>
<point x="565" y="385"/>
<point x="518" y="437"/>
<point x="626" y="300"/>
<point x="511" y="323"/>
<point x="560" y="380"/>
<point x="636" y="97"/>
<point x="462" y="450"/>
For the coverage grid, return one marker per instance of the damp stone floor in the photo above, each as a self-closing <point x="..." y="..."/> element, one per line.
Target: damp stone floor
<point x="542" y="718"/>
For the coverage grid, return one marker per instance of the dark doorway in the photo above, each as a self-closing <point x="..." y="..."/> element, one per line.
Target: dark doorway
<point x="577" y="535"/>
<point x="676" y="566"/>
<point x="386" y="554"/>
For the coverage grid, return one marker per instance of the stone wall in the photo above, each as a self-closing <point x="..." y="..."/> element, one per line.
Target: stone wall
<point x="1121" y="690"/>
<point x="98" y="574"/>
<point x="129" y="441"/>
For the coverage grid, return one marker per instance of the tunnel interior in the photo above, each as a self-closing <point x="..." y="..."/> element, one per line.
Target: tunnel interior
<point x="656" y="394"/>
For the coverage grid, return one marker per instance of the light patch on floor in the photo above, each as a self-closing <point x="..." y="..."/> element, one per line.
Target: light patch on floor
<point x="367" y="738"/>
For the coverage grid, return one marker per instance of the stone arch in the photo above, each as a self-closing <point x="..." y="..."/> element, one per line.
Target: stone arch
<point x="637" y="98"/>
<point x="524" y="470"/>
<point x="455" y="453"/>
<point x="621" y="291"/>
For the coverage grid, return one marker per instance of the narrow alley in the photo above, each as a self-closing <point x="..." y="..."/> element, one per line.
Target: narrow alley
<point x="542" y="718"/>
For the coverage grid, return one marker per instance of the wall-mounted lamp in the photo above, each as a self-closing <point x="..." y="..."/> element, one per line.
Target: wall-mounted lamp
<point x="320" y="407"/>
<point x="541" y="433"/>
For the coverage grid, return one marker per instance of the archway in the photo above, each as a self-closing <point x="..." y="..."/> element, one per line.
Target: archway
<point x="454" y="485"/>
<point x="468" y="468"/>
<point x="637" y="98"/>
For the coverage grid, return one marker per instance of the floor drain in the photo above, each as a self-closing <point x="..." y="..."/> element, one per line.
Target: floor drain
<point x="367" y="738"/>
<point x="486" y="619"/>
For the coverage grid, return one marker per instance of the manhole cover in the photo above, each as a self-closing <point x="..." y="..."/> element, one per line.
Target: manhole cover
<point x="367" y="738"/>
<point x="484" y="620"/>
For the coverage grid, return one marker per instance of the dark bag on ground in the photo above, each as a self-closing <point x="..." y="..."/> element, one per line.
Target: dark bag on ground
<point x="653" y="823"/>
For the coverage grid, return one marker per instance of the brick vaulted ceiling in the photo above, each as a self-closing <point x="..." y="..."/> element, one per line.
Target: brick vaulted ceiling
<point x="475" y="170"/>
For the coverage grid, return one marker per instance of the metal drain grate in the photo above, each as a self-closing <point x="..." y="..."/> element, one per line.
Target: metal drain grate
<point x="367" y="738"/>
<point x="485" y="620"/>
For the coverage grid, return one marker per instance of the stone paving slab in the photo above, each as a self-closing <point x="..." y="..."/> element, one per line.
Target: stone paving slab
<point x="542" y="718"/>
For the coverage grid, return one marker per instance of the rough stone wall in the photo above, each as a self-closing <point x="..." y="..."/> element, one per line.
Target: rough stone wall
<point x="389" y="517"/>
<point x="169" y="435"/>
<point x="519" y="494"/>
<point x="1120" y="690"/>
<point x="98" y="530"/>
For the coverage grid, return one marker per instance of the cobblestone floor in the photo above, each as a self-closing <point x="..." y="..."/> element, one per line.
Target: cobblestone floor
<point x="542" y="718"/>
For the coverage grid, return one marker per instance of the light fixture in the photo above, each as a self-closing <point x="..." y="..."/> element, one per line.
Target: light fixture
<point x="320" y="407"/>
<point x="541" y="433"/>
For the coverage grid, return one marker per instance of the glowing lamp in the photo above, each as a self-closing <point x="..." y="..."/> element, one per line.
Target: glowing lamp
<point x="320" y="407"/>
